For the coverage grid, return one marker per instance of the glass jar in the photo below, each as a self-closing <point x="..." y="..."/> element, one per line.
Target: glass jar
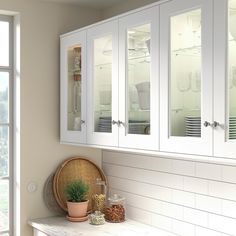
<point x="115" y="212"/>
<point x="99" y="198"/>
<point x="97" y="218"/>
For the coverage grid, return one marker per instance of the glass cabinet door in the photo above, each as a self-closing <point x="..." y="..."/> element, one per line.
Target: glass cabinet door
<point x="225" y="78"/>
<point x="186" y="76"/>
<point x="73" y="81"/>
<point x="103" y="84"/>
<point x="231" y="70"/>
<point x="138" y="113"/>
<point x="138" y="79"/>
<point x="185" y="81"/>
<point x="74" y="88"/>
<point x="102" y="87"/>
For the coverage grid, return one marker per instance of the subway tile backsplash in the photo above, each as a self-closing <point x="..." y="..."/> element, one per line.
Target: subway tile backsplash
<point x="187" y="198"/>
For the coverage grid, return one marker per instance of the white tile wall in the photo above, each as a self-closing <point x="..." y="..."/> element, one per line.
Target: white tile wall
<point x="186" y="198"/>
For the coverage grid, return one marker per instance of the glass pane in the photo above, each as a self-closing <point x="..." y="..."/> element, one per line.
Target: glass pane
<point x="102" y="84"/>
<point x="4" y="97"/>
<point x="4" y="43"/>
<point x="186" y="74"/>
<point x="138" y="55"/>
<point x="232" y="69"/>
<point x="4" y="205"/>
<point x="74" y="88"/>
<point x="4" y="234"/>
<point x="4" y="151"/>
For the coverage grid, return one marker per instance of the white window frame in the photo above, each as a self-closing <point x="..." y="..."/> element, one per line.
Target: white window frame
<point x="10" y="124"/>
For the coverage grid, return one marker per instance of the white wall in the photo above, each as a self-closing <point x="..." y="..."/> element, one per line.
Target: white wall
<point x="41" y="25"/>
<point x="187" y="198"/>
<point x="124" y="7"/>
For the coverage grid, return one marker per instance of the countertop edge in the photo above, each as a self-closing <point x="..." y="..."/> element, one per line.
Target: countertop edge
<point x="148" y="230"/>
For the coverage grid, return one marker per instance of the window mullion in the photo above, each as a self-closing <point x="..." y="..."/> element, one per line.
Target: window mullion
<point x="6" y="69"/>
<point x="5" y="178"/>
<point x="4" y="232"/>
<point x="8" y="177"/>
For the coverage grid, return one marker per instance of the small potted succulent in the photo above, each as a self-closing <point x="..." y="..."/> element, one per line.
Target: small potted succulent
<point x="77" y="202"/>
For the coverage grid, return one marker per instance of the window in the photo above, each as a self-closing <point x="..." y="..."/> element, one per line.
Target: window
<point x="6" y="125"/>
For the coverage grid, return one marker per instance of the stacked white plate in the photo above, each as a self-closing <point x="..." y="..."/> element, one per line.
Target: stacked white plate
<point x="104" y="124"/>
<point x="137" y="127"/>
<point x="232" y="127"/>
<point x="193" y="126"/>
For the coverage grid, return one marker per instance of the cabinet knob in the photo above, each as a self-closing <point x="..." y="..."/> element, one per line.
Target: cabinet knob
<point x="215" y="124"/>
<point x="115" y="122"/>
<point x="82" y="122"/>
<point x="206" y="124"/>
<point x="121" y="123"/>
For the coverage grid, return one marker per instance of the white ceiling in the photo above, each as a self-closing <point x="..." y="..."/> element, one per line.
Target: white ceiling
<point x="98" y="4"/>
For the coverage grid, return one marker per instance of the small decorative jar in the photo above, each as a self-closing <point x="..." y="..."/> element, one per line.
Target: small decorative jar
<point x="99" y="198"/>
<point x="97" y="218"/>
<point x="115" y="212"/>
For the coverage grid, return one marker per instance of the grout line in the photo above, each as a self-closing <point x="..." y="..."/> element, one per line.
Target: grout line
<point x="175" y="204"/>
<point x="169" y="173"/>
<point x="205" y="195"/>
<point x="171" y="218"/>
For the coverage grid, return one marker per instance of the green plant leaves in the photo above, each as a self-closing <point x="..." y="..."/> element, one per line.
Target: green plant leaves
<point x="77" y="191"/>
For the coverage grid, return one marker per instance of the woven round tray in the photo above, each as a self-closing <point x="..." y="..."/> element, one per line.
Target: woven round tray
<point x="74" y="169"/>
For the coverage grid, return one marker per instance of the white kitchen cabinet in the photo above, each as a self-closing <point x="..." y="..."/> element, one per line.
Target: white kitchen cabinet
<point x="159" y="79"/>
<point x="225" y="78"/>
<point x="139" y="80"/>
<point x="119" y="107"/>
<point x="102" y="65"/>
<point x="186" y="81"/>
<point x="73" y="88"/>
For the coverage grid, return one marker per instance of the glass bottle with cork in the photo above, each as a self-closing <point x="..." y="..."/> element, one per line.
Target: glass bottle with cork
<point x="99" y="198"/>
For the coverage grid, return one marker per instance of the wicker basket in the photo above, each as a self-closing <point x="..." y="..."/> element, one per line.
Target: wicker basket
<point x="74" y="169"/>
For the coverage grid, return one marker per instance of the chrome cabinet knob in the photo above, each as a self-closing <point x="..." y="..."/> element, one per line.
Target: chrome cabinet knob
<point x="115" y="122"/>
<point x="121" y="123"/>
<point x="215" y="124"/>
<point x="206" y="124"/>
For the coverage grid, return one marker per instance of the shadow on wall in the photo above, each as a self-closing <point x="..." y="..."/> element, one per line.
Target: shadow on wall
<point x="124" y="7"/>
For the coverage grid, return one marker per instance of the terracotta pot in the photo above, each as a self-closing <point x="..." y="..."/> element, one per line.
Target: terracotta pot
<point x="77" y="209"/>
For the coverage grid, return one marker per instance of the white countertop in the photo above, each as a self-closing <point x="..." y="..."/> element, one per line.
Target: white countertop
<point x="60" y="226"/>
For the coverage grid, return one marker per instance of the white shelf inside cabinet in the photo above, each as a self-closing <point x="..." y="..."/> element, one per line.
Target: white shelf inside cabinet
<point x="59" y="226"/>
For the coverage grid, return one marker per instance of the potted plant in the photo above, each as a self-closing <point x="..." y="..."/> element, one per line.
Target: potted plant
<point x="77" y="202"/>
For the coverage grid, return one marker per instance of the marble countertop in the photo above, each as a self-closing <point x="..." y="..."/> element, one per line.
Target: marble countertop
<point x="60" y="226"/>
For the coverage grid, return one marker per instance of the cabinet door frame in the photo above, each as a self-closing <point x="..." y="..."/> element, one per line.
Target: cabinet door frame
<point x="99" y="138"/>
<point x="66" y="42"/>
<point x="203" y="145"/>
<point x="223" y="147"/>
<point x="138" y="141"/>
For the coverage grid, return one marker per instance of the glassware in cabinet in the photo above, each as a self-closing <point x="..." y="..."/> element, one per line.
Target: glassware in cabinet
<point x="73" y="87"/>
<point x="232" y="69"/>
<point x="186" y="81"/>
<point x="225" y="77"/>
<point x="139" y="80"/>
<point x="103" y="84"/>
